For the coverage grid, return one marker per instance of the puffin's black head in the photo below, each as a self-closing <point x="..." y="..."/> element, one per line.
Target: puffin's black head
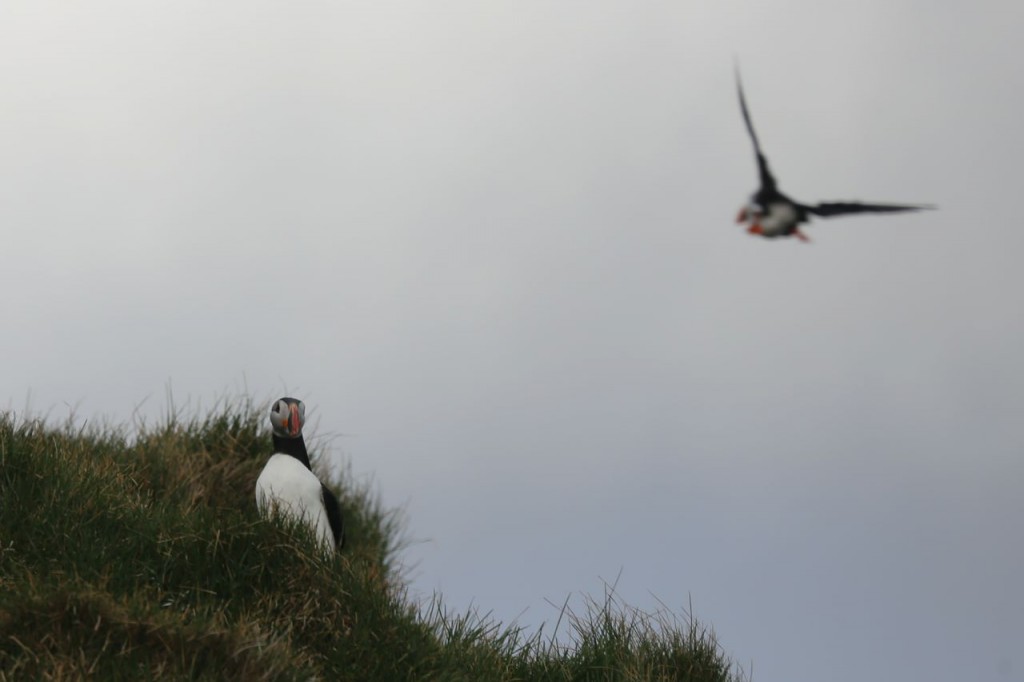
<point x="750" y="212"/>
<point x="287" y="416"/>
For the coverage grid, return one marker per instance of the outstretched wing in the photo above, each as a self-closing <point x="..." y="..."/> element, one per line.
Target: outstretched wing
<point x="829" y="209"/>
<point x="333" y="510"/>
<point x="767" y="181"/>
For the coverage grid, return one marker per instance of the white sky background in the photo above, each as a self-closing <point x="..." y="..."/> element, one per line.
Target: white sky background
<point x="492" y="244"/>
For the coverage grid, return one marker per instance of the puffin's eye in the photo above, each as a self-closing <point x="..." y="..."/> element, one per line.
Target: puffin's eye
<point x="277" y="406"/>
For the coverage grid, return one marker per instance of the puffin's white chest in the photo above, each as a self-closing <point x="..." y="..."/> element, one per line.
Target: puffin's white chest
<point x="288" y="487"/>
<point x="779" y="220"/>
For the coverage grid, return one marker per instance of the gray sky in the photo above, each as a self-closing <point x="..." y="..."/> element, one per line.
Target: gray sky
<point x="492" y="244"/>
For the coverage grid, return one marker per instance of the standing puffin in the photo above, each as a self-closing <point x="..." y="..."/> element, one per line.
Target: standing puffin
<point x="287" y="483"/>
<point x="770" y="213"/>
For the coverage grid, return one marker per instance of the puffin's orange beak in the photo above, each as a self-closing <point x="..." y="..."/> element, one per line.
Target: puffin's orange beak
<point x="292" y="424"/>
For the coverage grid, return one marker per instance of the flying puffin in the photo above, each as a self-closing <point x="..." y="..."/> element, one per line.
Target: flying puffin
<point x="770" y="213"/>
<point x="287" y="483"/>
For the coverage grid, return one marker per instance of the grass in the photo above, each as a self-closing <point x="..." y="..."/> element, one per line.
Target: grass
<point x="138" y="554"/>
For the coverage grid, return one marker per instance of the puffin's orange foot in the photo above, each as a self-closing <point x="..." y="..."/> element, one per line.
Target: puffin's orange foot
<point x="755" y="229"/>
<point x="801" y="236"/>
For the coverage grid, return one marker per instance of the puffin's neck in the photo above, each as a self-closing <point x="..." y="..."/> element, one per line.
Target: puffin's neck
<point x="296" y="447"/>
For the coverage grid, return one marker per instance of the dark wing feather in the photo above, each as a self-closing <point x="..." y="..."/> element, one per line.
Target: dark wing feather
<point x="828" y="209"/>
<point x="767" y="181"/>
<point x="334" y="515"/>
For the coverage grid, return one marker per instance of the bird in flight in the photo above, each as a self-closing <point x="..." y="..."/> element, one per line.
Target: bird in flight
<point x="770" y="213"/>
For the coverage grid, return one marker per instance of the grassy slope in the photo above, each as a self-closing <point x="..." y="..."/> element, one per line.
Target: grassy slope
<point x="141" y="557"/>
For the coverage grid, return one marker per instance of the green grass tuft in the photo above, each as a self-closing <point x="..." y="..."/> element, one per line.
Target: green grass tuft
<point x="140" y="555"/>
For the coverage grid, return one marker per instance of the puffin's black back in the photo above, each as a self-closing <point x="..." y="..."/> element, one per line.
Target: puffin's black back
<point x="333" y="510"/>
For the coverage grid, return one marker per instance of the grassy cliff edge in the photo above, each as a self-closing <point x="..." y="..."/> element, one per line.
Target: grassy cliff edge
<point x="135" y="554"/>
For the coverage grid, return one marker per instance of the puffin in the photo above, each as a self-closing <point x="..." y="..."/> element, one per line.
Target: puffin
<point x="287" y="483"/>
<point x="770" y="213"/>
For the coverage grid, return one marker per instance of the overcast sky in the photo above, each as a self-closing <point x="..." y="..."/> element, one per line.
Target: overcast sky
<point x="492" y="246"/>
